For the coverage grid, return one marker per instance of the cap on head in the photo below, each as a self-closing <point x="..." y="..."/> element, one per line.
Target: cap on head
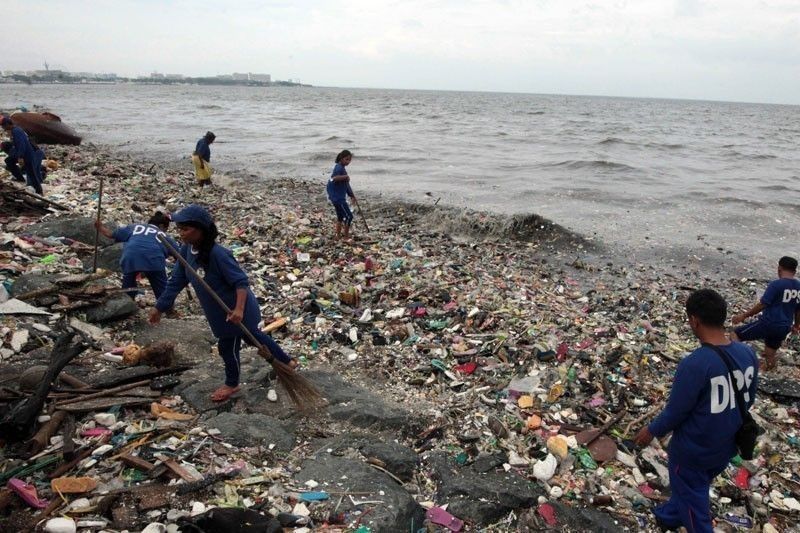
<point x="6" y="121"/>
<point x="210" y="135"/>
<point x="193" y="214"/>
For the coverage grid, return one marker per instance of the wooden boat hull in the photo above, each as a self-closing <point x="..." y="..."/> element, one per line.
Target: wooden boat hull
<point x="46" y="128"/>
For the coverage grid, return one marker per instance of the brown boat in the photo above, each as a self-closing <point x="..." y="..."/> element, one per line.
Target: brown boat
<point x="46" y="128"/>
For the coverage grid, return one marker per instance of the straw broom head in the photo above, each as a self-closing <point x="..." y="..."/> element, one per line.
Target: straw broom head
<point x="302" y="392"/>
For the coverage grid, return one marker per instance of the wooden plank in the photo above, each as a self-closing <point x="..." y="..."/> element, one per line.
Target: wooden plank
<point x="179" y="470"/>
<point x="104" y="403"/>
<point x="137" y="462"/>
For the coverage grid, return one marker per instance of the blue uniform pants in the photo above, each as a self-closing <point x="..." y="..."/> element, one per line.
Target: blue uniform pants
<point x="157" y="278"/>
<point x="229" y="348"/>
<point x="13" y="168"/>
<point x="343" y="213"/>
<point x="689" y="505"/>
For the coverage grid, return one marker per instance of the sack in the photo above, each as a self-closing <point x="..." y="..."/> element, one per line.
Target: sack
<point x="746" y="436"/>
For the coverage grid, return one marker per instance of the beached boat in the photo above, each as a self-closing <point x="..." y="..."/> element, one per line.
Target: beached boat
<point x="46" y="128"/>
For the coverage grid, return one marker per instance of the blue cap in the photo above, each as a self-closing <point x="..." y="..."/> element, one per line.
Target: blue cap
<point x="193" y="213"/>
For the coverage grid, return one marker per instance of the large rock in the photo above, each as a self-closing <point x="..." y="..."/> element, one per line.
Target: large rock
<point x="481" y="497"/>
<point x="77" y="228"/>
<point x="108" y="258"/>
<point x="338" y="474"/>
<point x="587" y="519"/>
<point x="357" y="405"/>
<point x="398" y="459"/>
<point x="33" y="282"/>
<point x="116" y="308"/>
<point x="252" y="429"/>
<point x="192" y="337"/>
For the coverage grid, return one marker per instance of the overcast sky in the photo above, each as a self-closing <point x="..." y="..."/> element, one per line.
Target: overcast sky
<point x="742" y="50"/>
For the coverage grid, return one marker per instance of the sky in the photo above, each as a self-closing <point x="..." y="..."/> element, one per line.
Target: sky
<point x="738" y="50"/>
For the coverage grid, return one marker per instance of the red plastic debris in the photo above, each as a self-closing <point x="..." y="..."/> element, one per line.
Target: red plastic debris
<point x="547" y="512"/>
<point x="466" y="368"/>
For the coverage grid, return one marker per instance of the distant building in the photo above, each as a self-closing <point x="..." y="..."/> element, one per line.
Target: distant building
<point x="173" y="76"/>
<point x="264" y="78"/>
<point x="224" y="77"/>
<point x="241" y="76"/>
<point x="156" y="76"/>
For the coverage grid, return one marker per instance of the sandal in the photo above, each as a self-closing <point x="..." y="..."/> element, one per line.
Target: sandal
<point x="224" y="393"/>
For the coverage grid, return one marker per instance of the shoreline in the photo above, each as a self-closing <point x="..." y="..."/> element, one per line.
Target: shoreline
<point x="442" y="294"/>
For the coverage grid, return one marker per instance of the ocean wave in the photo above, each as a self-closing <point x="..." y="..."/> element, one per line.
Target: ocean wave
<point x="480" y="224"/>
<point x="657" y="145"/>
<point x="209" y="106"/>
<point x="598" y="164"/>
<point x="336" y="138"/>
<point x="535" y="113"/>
<point x="779" y="188"/>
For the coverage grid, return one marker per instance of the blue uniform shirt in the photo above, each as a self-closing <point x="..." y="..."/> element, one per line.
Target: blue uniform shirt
<point x="338" y="191"/>
<point x="22" y="145"/>
<point x="141" y="252"/>
<point x="781" y="300"/>
<point x="203" y="150"/>
<point x="224" y="276"/>
<point x="701" y="411"/>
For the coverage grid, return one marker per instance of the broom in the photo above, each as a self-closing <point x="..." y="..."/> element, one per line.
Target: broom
<point x="361" y="216"/>
<point x="302" y="392"/>
<point x="97" y="231"/>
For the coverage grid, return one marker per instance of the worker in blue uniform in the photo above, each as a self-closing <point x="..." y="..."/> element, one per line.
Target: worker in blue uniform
<point x="702" y="414"/>
<point x="22" y="148"/>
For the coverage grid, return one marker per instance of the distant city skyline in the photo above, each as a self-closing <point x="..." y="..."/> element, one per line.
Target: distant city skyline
<point x="739" y="50"/>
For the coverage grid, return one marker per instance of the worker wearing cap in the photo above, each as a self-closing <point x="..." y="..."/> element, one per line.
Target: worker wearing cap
<point x="220" y="270"/>
<point x="201" y="158"/>
<point x="23" y="149"/>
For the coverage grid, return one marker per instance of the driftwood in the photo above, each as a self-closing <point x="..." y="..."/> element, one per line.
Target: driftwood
<point x="108" y="392"/>
<point x="18" y="421"/>
<point x="68" y="431"/>
<point x="39" y="441"/>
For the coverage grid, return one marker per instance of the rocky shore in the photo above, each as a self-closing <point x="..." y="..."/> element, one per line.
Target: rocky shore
<point x="463" y="355"/>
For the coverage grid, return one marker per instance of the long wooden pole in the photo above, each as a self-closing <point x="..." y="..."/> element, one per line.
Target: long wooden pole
<point x="162" y="238"/>
<point x="361" y="216"/>
<point x="97" y="230"/>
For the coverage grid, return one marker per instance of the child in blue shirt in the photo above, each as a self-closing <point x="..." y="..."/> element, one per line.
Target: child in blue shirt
<point x="338" y="190"/>
<point x="780" y="313"/>
<point x="141" y="253"/>
<point x="702" y="414"/>
<point x="223" y="274"/>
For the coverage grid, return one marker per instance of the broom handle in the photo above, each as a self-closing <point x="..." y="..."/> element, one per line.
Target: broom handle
<point x="361" y="216"/>
<point x="162" y="238"/>
<point x="97" y="231"/>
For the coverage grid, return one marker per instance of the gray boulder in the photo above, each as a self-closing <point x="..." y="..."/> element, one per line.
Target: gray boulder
<point x="252" y="429"/>
<point x="192" y="337"/>
<point x="77" y="228"/>
<point x="357" y="405"/>
<point x="480" y="497"/>
<point x="116" y="308"/>
<point x="338" y="474"/>
<point x="108" y="258"/>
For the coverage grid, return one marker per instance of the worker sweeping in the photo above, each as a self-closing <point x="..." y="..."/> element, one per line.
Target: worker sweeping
<point x="222" y="276"/>
<point x="201" y="158"/>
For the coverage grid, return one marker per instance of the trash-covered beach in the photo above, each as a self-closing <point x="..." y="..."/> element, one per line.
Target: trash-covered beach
<point x="479" y="376"/>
